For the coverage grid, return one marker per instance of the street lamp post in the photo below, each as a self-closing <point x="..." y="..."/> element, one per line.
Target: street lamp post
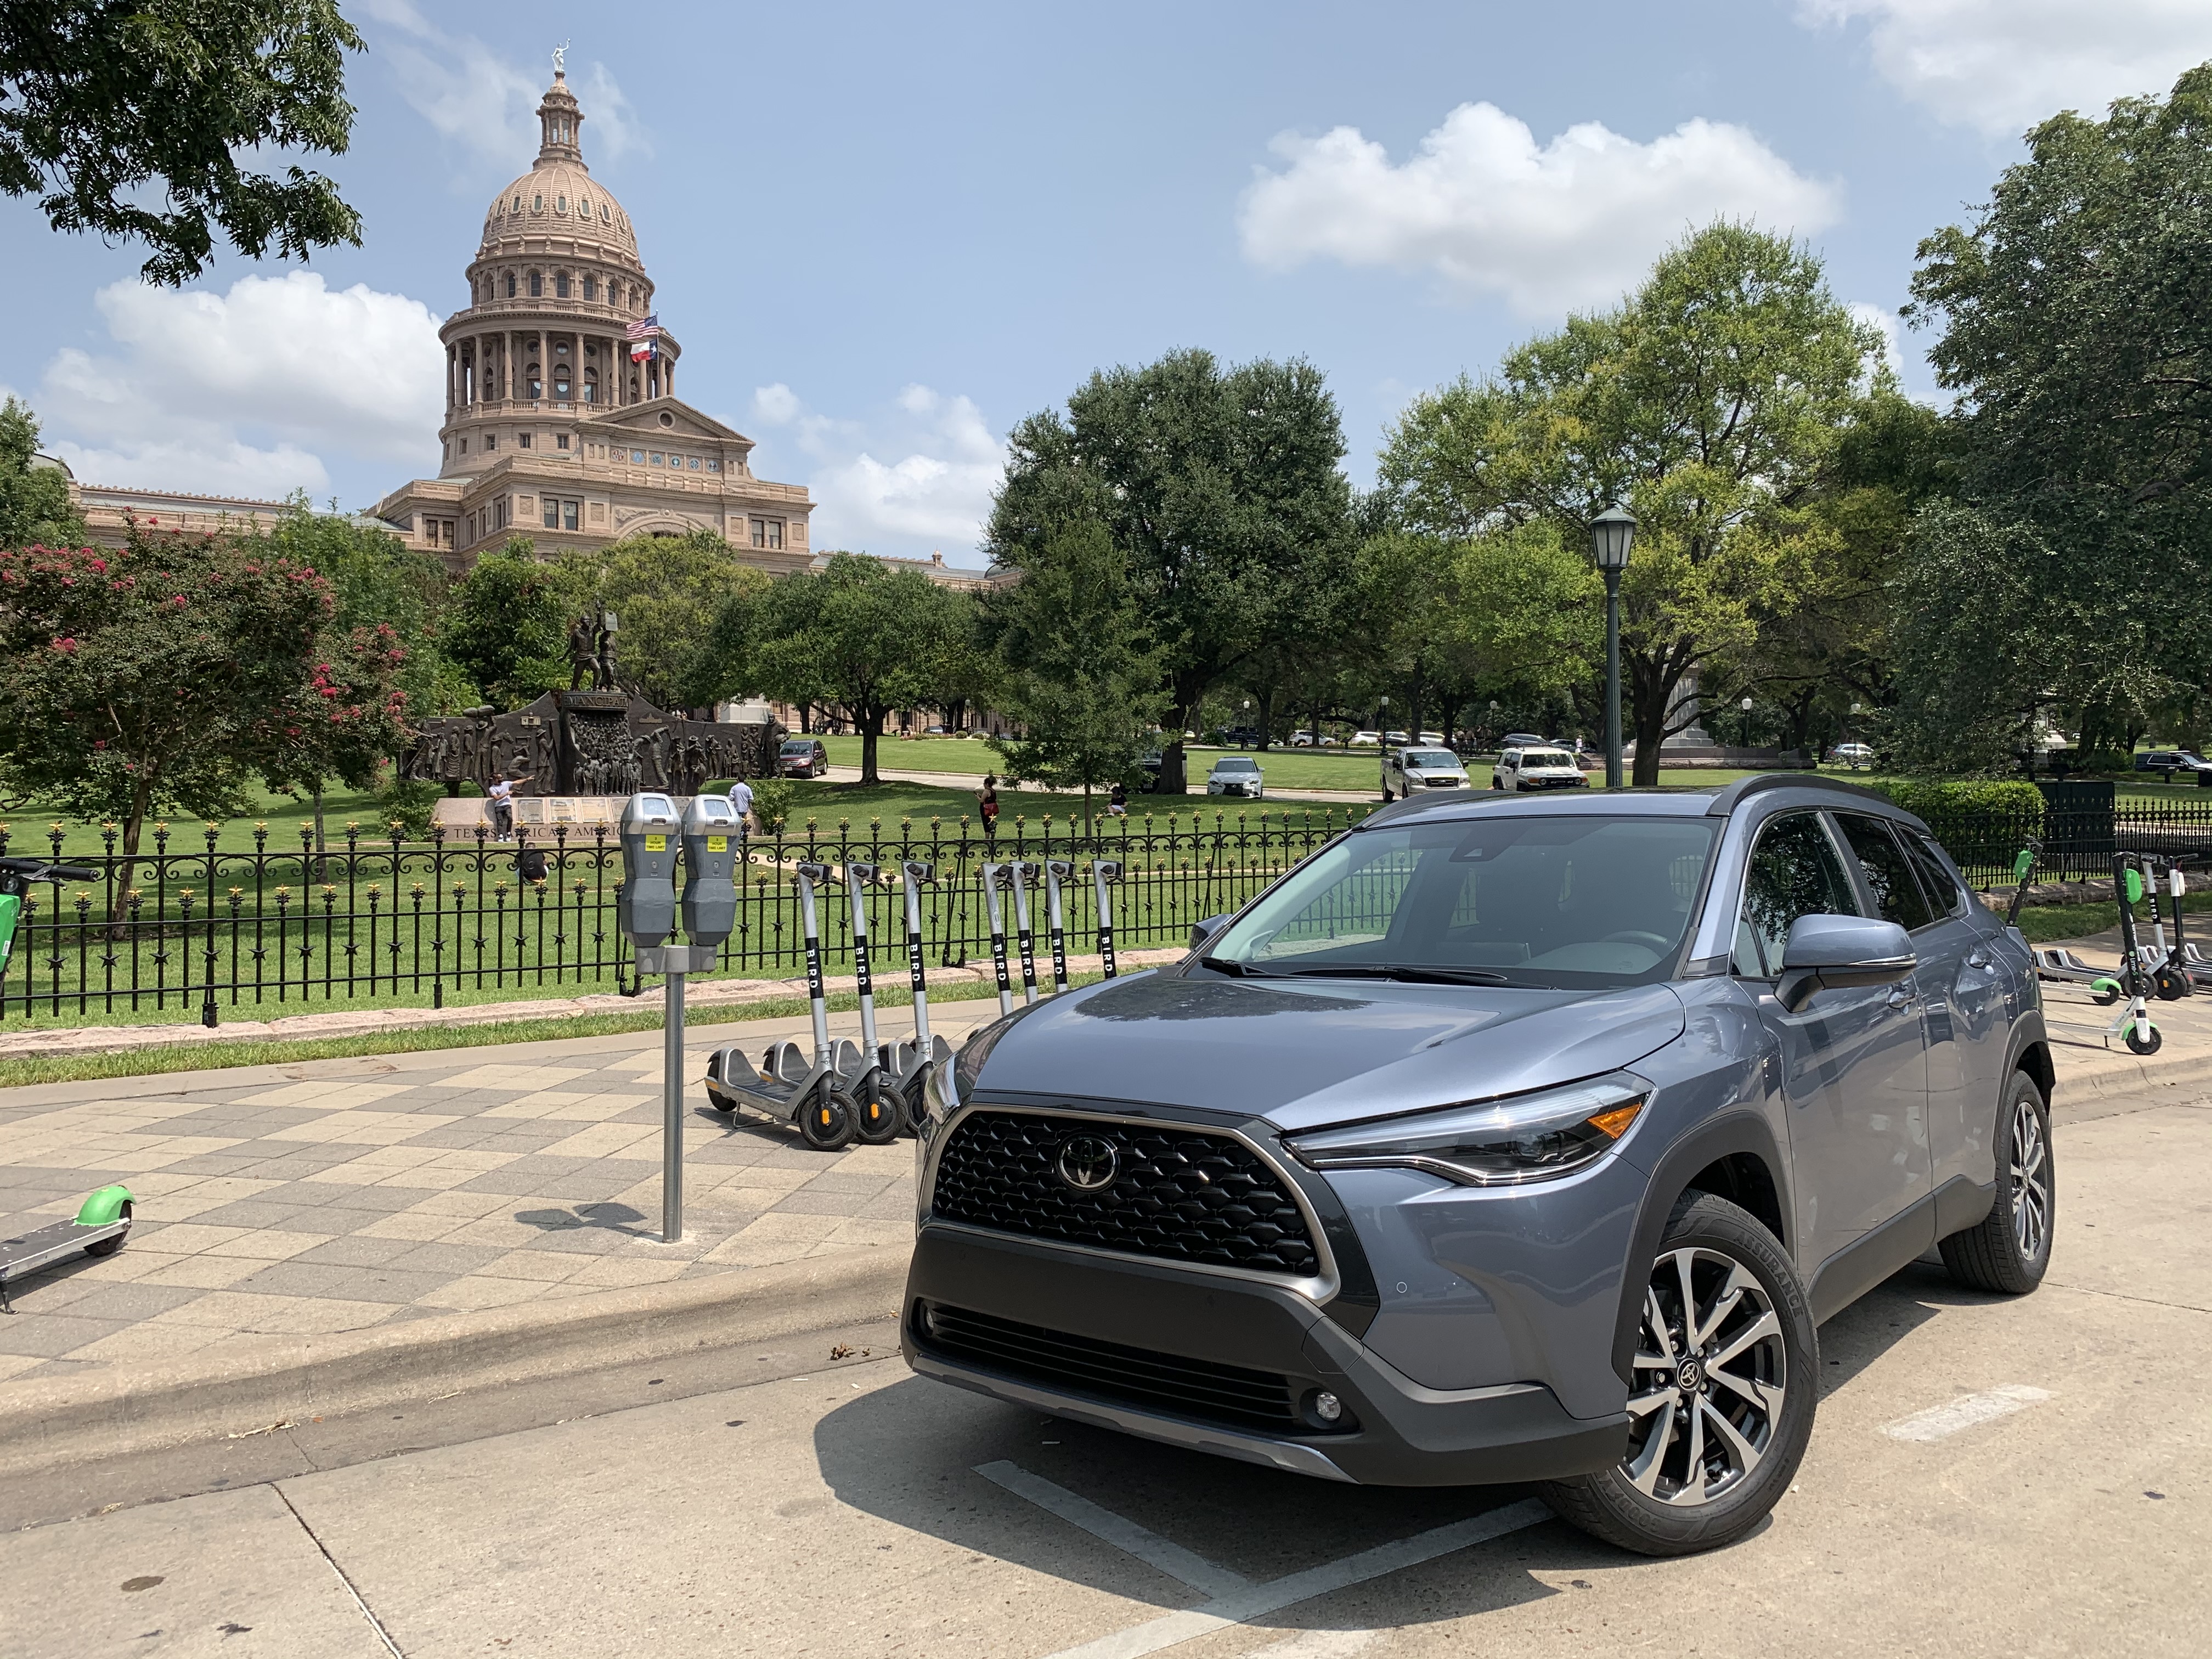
<point x="1611" y="533"/>
<point x="1746" y="706"/>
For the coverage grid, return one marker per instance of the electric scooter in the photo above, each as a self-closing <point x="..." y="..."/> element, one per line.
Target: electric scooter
<point x="1019" y="875"/>
<point x="992" y="874"/>
<point x="1104" y="872"/>
<point x="2171" y="974"/>
<point x="2132" y="1024"/>
<point x="860" y="1069"/>
<point x="1057" y="871"/>
<point x="788" y="1087"/>
<point x="909" y="1064"/>
<point x="2056" y="963"/>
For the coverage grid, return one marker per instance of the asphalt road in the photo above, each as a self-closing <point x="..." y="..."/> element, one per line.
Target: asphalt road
<point x="1987" y="1476"/>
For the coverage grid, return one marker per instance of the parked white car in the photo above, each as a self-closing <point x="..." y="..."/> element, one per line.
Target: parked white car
<point x="1857" y="755"/>
<point x="1409" y="771"/>
<point x="1537" y="768"/>
<point x="1365" y="739"/>
<point x="1234" y="775"/>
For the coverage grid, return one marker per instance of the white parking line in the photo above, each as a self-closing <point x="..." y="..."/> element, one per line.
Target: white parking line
<point x="1238" y="1600"/>
<point x="1148" y="1546"/>
<point x="1938" y="1422"/>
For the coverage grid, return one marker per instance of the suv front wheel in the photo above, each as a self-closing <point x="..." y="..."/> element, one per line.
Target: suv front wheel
<point x="1726" y="1376"/>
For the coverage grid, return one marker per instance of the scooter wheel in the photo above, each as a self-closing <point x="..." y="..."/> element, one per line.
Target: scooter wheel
<point x="2171" y="985"/>
<point x="2143" y="1038"/>
<point x="879" y="1114"/>
<point x="2105" y="993"/>
<point x="826" y="1120"/>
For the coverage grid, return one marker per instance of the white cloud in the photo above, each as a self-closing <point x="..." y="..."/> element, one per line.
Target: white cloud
<point x="2001" y="66"/>
<point x="1571" y="223"/>
<point x="1884" y="322"/>
<point x="242" y="392"/>
<point x="488" y="104"/>
<point x="916" y="478"/>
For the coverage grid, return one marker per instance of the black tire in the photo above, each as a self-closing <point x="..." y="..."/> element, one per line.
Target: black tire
<point x="826" y="1121"/>
<point x="2143" y="1038"/>
<point x="2009" y="1250"/>
<point x="110" y="1245"/>
<point x="1715" y="1239"/>
<point x="2170" y="984"/>
<point x="879" y="1114"/>
<point x="2105" y="995"/>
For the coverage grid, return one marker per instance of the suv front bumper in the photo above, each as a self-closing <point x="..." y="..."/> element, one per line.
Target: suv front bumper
<point x="1402" y="1434"/>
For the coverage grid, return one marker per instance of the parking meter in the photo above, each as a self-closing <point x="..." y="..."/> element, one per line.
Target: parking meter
<point x="710" y="862"/>
<point x="645" y="909"/>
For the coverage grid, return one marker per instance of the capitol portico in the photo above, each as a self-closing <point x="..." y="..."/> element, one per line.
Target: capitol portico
<point x="560" y="424"/>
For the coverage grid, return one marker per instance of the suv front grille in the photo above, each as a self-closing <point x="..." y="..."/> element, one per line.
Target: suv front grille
<point x="1137" y="1376"/>
<point x="1178" y="1194"/>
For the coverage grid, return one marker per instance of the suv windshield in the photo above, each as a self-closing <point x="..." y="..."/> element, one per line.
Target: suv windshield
<point x="1546" y="757"/>
<point x="1566" y="903"/>
<point x="1430" y="758"/>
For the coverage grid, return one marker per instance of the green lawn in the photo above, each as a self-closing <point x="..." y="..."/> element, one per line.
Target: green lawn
<point x="862" y="807"/>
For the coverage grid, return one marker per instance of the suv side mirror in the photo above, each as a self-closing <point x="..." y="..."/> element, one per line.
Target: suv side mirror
<point x="1202" y="932"/>
<point x="1832" y="953"/>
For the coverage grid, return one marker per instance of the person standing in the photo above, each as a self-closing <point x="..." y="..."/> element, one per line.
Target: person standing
<point x="502" y="803"/>
<point x="741" y="802"/>
<point x="986" y="802"/>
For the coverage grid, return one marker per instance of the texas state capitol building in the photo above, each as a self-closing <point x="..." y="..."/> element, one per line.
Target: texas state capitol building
<point x="552" y="430"/>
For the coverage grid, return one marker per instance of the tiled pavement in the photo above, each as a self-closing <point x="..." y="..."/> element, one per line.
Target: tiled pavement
<point x="340" y="1195"/>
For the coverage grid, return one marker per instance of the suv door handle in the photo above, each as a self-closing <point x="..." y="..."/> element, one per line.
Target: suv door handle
<point x="1979" y="959"/>
<point x="1901" y="996"/>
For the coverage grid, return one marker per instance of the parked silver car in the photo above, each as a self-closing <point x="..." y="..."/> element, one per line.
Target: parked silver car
<point x="1234" y="775"/>
<point x="1408" y="771"/>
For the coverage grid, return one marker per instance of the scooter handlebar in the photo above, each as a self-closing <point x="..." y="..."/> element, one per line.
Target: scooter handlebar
<point x="39" y="870"/>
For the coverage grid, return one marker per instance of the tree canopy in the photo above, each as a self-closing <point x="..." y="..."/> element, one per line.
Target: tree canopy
<point x="2076" y="572"/>
<point x="130" y="119"/>
<point x="1711" y="403"/>
<point x="1221" y="488"/>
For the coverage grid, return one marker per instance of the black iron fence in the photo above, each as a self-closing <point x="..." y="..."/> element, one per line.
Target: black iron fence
<point x="207" y="930"/>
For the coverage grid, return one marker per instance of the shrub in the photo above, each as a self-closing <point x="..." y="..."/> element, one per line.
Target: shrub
<point x="1929" y="798"/>
<point x="772" y="798"/>
<point x="408" y="802"/>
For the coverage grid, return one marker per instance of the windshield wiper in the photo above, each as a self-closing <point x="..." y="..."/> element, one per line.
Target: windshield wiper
<point x="1408" y="973"/>
<point x="1234" y="968"/>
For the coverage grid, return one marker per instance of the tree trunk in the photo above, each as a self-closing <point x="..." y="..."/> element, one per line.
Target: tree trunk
<point x="1651" y="686"/>
<point x="1267" y="719"/>
<point x="871" y="722"/>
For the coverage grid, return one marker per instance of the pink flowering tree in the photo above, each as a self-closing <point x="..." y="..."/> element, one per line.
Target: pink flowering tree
<point x="161" y="677"/>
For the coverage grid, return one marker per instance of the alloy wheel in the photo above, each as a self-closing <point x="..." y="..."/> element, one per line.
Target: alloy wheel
<point x="1710" y="1375"/>
<point x="2030" y="1181"/>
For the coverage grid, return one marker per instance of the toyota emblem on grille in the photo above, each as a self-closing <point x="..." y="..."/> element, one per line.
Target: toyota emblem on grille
<point x="1087" y="1163"/>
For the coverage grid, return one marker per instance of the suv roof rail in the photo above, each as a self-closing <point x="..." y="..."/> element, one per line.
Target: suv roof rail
<point x="1735" y="794"/>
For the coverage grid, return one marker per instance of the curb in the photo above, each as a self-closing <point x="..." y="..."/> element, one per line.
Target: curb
<point x="2133" y="1075"/>
<point x="51" y="1424"/>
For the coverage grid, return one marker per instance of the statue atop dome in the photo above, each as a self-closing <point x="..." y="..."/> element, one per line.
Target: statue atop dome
<point x="560" y="58"/>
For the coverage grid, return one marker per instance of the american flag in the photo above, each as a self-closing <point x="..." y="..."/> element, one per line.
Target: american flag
<point x="645" y="328"/>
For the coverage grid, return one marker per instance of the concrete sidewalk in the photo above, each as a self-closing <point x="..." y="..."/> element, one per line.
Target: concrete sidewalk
<point x="338" y="1195"/>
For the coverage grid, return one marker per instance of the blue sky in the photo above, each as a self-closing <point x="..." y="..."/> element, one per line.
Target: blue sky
<point x="885" y="233"/>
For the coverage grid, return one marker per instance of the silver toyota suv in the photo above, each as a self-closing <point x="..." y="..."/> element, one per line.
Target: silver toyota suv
<point x="1502" y="1139"/>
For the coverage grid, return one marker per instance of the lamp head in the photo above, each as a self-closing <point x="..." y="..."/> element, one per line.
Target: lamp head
<point x="1611" y="533"/>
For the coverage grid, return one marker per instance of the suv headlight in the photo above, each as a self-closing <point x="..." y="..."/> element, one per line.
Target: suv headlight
<point x="1491" y="1143"/>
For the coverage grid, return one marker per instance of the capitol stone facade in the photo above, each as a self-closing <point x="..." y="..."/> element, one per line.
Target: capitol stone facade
<point x="551" y="430"/>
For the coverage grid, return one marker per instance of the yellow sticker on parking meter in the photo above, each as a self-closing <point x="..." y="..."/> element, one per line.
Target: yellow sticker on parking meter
<point x="718" y="843"/>
<point x="656" y="843"/>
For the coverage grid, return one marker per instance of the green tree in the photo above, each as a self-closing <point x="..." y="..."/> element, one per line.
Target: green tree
<point x="668" y="592"/>
<point x="378" y="581"/>
<point x="1710" y="403"/>
<point x="2075" y="331"/>
<point x="130" y="119"/>
<point x="34" y="501"/>
<point x="855" y="633"/>
<point x="507" y="625"/>
<point x="1081" y="682"/>
<point x="1219" y="486"/>
<point x="161" y="676"/>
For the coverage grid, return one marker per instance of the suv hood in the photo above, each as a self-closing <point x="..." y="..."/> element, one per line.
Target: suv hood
<point x="1304" y="1053"/>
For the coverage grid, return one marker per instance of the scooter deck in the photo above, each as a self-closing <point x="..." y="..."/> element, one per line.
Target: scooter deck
<point x="50" y="1246"/>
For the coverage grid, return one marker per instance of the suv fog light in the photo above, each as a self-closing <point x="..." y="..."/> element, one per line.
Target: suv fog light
<point x="1327" y="1406"/>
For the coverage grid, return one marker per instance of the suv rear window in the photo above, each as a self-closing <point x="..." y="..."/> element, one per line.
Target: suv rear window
<point x="1896" y="892"/>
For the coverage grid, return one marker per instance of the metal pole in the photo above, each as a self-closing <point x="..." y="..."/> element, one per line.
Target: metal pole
<point x="672" y="1114"/>
<point x="1613" y="679"/>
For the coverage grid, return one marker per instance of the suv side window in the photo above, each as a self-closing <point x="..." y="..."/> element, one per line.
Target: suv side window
<point x="1896" y="893"/>
<point x="1935" y="877"/>
<point x="1793" y="871"/>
